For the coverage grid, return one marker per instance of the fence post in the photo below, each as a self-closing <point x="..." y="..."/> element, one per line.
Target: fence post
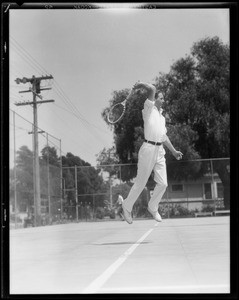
<point x="61" y="195"/>
<point x="76" y="194"/>
<point x="120" y="175"/>
<point x="48" y="181"/>
<point x="213" y="186"/>
<point x="187" y="195"/>
<point x="111" y="201"/>
<point x="167" y="204"/>
<point x="63" y="189"/>
<point x="15" y="170"/>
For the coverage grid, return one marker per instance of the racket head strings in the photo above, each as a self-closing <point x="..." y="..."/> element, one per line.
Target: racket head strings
<point x="116" y="113"/>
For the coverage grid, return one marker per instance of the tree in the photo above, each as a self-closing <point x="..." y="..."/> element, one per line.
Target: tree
<point x="50" y="154"/>
<point x="89" y="181"/>
<point x="198" y="98"/>
<point x="24" y="180"/>
<point x="197" y="95"/>
<point x="124" y="130"/>
<point x="108" y="157"/>
<point x="50" y="173"/>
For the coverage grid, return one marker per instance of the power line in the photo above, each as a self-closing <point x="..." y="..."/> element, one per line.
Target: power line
<point x="40" y="129"/>
<point x="23" y="56"/>
<point x="58" y="86"/>
<point x="77" y="117"/>
<point x="84" y="122"/>
<point x="18" y="127"/>
<point x="58" y="90"/>
<point x="25" y="53"/>
<point x="61" y="93"/>
<point x="27" y="130"/>
<point x="35" y="90"/>
<point x="53" y="144"/>
<point x="75" y="141"/>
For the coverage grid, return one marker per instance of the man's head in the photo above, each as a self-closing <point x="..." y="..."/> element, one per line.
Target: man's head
<point x="159" y="99"/>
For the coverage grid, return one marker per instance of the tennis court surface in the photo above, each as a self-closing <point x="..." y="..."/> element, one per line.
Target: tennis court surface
<point x="189" y="255"/>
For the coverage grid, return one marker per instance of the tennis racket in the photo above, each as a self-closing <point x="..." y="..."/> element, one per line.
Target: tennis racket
<point x="117" y="111"/>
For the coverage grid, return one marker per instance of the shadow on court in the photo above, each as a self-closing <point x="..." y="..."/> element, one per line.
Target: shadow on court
<point x="175" y="256"/>
<point x="121" y="243"/>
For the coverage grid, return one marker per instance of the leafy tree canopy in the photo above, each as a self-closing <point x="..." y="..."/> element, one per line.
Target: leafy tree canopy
<point x="196" y="106"/>
<point x="197" y="111"/>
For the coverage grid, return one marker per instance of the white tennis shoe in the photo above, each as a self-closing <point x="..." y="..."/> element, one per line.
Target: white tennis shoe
<point x="120" y="199"/>
<point x="155" y="215"/>
<point x="127" y="214"/>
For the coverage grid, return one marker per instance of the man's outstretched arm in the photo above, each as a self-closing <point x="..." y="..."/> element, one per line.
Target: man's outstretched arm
<point x="177" y="154"/>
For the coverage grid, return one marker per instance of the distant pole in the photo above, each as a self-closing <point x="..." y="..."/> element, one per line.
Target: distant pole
<point x="64" y="187"/>
<point x="111" y="202"/>
<point x="34" y="179"/>
<point x="213" y="188"/>
<point x="93" y="206"/>
<point x="110" y="183"/>
<point x="15" y="170"/>
<point x="48" y="181"/>
<point x="61" y="182"/>
<point x="36" y="90"/>
<point x="168" y="205"/>
<point x="76" y="194"/>
<point x="120" y="175"/>
<point x="187" y="196"/>
<point x="36" y="160"/>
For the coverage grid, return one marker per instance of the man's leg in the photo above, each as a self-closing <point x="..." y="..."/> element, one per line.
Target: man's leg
<point x="160" y="177"/>
<point x="146" y="161"/>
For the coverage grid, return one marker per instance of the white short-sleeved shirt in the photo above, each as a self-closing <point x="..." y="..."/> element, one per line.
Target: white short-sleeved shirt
<point x="154" y="122"/>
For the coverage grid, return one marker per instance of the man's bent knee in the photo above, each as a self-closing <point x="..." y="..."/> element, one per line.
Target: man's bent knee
<point x="162" y="185"/>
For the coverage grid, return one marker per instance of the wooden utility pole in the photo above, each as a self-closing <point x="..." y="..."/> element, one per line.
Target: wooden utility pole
<point x="15" y="171"/>
<point x="36" y="90"/>
<point x="48" y="182"/>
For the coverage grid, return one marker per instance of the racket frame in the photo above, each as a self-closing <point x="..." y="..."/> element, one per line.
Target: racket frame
<point x="121" y="103"/>
<point x="124" y="104"/>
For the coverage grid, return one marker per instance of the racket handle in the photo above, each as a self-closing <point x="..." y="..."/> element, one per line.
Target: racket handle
<point x="130" y="93"/>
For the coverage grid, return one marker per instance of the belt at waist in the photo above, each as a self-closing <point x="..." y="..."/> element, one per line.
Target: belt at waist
<point x="153" y="143"/>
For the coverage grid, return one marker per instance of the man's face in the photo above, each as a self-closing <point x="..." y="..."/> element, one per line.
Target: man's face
<point x="159" y="101"/>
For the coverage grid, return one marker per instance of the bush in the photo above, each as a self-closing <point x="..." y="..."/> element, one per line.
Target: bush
<point x="99" y="214"/>
<point x="12" y="219"/>
<point x="28" y="221"/>
<point x="183" y="211"/>
<point x="208" y="208"/>
<point x="109" y="213"/>
<point x="179" y="211"/>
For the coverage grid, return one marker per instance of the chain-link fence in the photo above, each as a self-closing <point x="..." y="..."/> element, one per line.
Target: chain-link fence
<point x="195" y="188"/>
<point x="86" y="193"/>
<point x="35" y="182"/>
<point x="90" y="193"/>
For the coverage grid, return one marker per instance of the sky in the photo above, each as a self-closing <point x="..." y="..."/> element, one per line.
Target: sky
<point x="90" y="53"/>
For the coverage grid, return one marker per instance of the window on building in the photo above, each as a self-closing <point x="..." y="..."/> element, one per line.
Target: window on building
<point x="177" y="187"/>
<point x="219" y="190"/>
<point x="207" y="191"/>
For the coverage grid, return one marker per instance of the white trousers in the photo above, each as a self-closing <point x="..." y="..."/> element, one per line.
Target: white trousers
<point x="150" y="158"/>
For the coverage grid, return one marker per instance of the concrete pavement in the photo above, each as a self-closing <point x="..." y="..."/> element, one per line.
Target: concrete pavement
<point x="175" y="256"/>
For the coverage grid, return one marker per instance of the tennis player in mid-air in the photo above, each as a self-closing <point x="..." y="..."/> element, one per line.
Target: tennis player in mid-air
<point x="151" y="156"/>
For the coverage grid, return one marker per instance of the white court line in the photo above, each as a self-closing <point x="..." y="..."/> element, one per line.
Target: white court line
<point x="99" y="281"/>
